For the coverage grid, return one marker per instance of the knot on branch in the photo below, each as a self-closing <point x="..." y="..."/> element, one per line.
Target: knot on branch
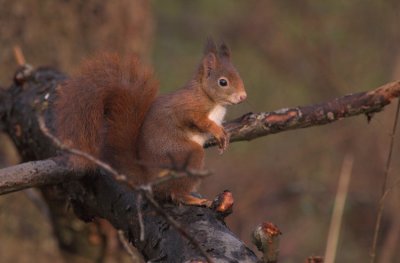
<point x="223" y="203"/>
<point x="23" y="74"/>
<point x="266" y="238"/>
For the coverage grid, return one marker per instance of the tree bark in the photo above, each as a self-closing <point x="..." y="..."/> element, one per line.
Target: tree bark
<point x="32" y="174"/>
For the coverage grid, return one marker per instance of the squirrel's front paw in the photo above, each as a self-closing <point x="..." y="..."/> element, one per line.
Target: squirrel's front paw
<point x="223" y="142"/>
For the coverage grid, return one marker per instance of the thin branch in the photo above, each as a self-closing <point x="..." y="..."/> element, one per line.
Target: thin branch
<point x="338" y="208"/>
<point x="135" y="258"/>
<point x="140" y="217"/>
<point x="385" y="190"/>
<point x="19" y="56"/>
<point x="255" y="125"/>
<point x="60" y="145"/>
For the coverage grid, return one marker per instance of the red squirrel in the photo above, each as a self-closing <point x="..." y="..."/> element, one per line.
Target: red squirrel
<point x="111" y="110"/>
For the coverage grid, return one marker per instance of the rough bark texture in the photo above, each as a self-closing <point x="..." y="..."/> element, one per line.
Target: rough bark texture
<point x="162" y="242"/>
<point x="254" y="125"/>
<point x="32" y="174"/>
<point x="98" y="195"/>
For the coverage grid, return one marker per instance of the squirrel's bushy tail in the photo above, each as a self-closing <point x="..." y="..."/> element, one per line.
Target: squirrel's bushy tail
<point x="101" y="109"/>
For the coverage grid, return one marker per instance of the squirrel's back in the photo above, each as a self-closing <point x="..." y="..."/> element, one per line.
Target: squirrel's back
<point x="100" y="109"/>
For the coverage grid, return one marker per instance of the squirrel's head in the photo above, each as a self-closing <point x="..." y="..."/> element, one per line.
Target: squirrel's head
<point x="218" y="77"/>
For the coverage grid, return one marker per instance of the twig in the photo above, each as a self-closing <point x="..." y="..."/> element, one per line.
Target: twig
<point x="19" y="56"/>
<point x="60" y="145"/>
<point x="140" y="216"/>
<point x="128" y="248"/>
<point x="176" y="225"/>
<point x="385" y="190"/>
<point x="338" y="208"/>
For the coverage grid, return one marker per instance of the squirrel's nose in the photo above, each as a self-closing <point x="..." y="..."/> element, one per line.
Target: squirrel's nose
<point x="238" y="97"/>
<point x="242" y="97"/>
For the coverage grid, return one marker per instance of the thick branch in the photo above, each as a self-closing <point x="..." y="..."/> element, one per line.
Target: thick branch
<point x="254" y="125"/>
<point x="161" y="239"/>
<point x="32" y="174"/>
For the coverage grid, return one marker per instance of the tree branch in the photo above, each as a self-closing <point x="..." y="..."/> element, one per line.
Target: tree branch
<point x="254" y="125"/>
<point x="101" y="196"/>
<point x="32" y="174"/>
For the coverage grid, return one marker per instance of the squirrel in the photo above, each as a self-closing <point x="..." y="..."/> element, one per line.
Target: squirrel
<point x="111" y="110"/>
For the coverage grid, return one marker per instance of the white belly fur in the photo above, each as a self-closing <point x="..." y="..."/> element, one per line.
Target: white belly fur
<point x="199" y="138"/>
<point x="216" y="115"/>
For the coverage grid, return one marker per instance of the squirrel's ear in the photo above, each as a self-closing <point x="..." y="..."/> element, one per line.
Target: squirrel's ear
<point x="210" y="47"/>
<point x="208" y="64"/>
<point x="209" y="61"/>
<point x="224" y="51"/>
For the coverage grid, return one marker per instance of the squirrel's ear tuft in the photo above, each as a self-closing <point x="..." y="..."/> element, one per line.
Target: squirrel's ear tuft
<point x="210" y="61"/>
<point x="224" y="51"/>
<point x="210" y="46"/>
<point x="208" y="64"/>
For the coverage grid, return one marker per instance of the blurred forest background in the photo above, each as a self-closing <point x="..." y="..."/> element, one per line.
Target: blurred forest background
<point x="289" y="53"/>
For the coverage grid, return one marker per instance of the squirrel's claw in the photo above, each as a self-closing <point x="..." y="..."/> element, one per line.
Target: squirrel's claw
<point x="192" y="200"/>
<point x="223" y="142"/>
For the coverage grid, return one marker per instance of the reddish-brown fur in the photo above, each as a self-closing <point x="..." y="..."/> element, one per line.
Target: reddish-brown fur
<point x="101" y="109"/>
<point x="110" y="111"/>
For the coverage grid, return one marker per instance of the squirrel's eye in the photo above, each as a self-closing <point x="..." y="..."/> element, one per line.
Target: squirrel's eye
<point x="223" y="82"/>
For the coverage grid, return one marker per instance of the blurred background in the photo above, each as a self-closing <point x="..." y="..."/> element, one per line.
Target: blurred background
<point x="289" y="53"/>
